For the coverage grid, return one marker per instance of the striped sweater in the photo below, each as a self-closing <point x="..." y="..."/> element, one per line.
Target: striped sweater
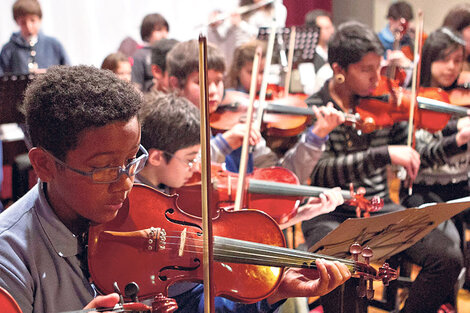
<point x="350" y="157"/>
<point x="361" y="159"/>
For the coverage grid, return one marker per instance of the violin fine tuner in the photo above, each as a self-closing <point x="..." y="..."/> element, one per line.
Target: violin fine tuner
<point x="365" y="287"/>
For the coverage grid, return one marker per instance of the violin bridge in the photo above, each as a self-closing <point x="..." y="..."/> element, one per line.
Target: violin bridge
<point x="182" y="242"/>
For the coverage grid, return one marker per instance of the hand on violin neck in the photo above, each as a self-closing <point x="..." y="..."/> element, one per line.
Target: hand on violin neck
<point x="398" y="58"/>
<point x="234" y="136"/>
<point x="407" y="157"/>
<point x="327" y="119"/>
<point x="463" y="122"/>
<point x="463" y="136"/>
<point x="107" y="301"/>
<point x="325" y="203"/>
<point x="301" y="282"/>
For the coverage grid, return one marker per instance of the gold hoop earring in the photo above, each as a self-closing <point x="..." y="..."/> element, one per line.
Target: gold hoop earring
<point x="340" y="78"/>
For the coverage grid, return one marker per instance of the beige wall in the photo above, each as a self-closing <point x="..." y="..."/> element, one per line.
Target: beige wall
<point x="373" y="12"/>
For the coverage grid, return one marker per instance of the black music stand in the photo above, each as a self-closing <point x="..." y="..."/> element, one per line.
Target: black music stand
<point x="306" y="39"/>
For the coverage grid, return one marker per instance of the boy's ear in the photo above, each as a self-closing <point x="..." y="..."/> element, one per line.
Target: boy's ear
<point x="337" y="69"/>
<point x="174" y="83"/>
<point x="43" y="164"/>
<point x="157" y="71"/>
<point x="156" y="157"/>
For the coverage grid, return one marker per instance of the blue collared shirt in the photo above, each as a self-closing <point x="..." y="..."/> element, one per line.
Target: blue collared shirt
<point x="39" y="266"/>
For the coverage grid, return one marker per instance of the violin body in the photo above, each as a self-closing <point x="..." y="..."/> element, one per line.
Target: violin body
<point x="397" y="107"/>
<point x="234" y="107"/>
<point x="125" y="249"/>
<point x="280" y="208"/>
<point x="7" y="303"/>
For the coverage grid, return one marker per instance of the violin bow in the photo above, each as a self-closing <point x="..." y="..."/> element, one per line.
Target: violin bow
<point x="208" y="253"/>
<point x="264" y="85"/>
<point x="290" y="61"/>
<point x="245" y="146"/>
<point x="415" y="84"/>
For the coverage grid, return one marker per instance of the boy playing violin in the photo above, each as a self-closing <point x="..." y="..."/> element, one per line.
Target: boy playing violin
<point x="86" y="151"/>
<point x="183" y="71"/>
<point x="182" y="67"/>
<point x="355" y="54"/>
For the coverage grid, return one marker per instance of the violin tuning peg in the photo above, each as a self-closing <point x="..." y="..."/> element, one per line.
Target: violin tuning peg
<point x="355" y="249"/>
<point x="367" y="254"/>
<point x="131" y="290"/>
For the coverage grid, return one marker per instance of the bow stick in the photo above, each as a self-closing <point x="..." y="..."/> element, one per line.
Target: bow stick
<point x="208" y="254"/>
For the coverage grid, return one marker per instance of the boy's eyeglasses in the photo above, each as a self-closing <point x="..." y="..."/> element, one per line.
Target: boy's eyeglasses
<point x="108" y="175"/>
<point x="190" y="164"/>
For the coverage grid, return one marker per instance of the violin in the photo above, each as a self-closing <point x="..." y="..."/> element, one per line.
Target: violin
<point x="284" y="117"/>
<point x="274" y="190"/>
<point x="233" y="110"/>
<point x="155" y="244"/>
<point x="432" y="113"/>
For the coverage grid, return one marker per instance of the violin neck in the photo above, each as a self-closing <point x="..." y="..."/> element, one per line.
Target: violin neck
<point x="246" y="252"/>
<point x="284" y="189"/>
<point x="285" y="109"/>
<point x="442" y="107"/>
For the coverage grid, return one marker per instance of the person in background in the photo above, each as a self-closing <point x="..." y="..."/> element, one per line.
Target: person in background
<point x="153" y="28"/>
<point x="158" y="57"/>
<point x="321" y="71"/>
<point x="322" y="20"/>
<point x="241" y="28"/>
<point x="458" y="19"/>
<point x="399" y="13"/>
<point x="119" y="64"/>
<point x="29" y="50"/>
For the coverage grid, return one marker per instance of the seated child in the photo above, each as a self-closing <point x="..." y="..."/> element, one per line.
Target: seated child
<point x="119" y="64"/>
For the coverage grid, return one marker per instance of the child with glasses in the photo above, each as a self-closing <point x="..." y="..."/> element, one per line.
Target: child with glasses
<point x="86" y="151"/>
<point x="173" y="152"/>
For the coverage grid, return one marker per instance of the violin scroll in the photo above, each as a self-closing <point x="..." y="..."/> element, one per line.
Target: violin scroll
<point x="363" y="205"/>
<point x="367" y="274"/>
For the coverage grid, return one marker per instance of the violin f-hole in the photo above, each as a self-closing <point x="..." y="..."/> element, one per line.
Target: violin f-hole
<point x="163" y="277"/>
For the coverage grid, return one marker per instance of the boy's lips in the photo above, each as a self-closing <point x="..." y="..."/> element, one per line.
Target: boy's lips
<point x="115" y="205"/>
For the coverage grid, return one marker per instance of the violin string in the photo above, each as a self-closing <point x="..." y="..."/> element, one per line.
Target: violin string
<point x="232" y="246"/>
<point x="263" y="259"/>
<point x="235" y="244"/>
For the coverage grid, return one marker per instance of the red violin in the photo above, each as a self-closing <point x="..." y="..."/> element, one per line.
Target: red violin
<point x="386" y="107"/>
<point x="274" y="190"/>
<point x="155" y="244"/>
<point x="234" y="108"/>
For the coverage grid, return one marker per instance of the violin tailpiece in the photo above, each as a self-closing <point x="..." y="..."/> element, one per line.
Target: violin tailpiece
<point x="152" y="239"/>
